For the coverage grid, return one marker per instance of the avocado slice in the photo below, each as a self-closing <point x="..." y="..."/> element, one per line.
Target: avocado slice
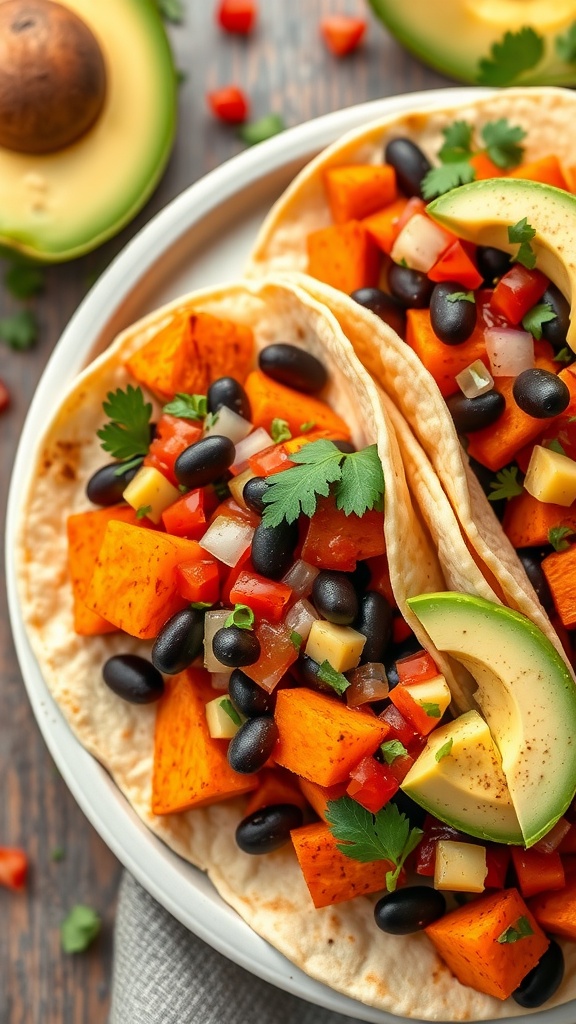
<point x="461" y="34"/>
<point x="525" y="693"/>
<point x="59" y="205"/>
<point x="466" y="787"/>
<point x="483" y="211"/>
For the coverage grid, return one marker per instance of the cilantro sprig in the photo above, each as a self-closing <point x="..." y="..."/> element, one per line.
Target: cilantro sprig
<point x="535" y="317"/>
<point x="366" y="837"/>
<point x="393" y="749"/>
<point x="79" y="929"/>
<point x="500" y="141"/>
<point x="566" y="45"/>
<point x="557" y="537"/>
<point x="521" y="929"/>
<point x="506" y="484"/>
<point x="19" y="330"/>
<point x="187" y="407"/>
<point x="444" y="751"/>
<point x="356" y="479"/>
<point x="127" y="435"/>
<point x="328" y="674"/>
<point x="510" y="57"/>
<point x="461" y="297"/>
<point x="523" y="233"/>
<point x="279" y="430"/>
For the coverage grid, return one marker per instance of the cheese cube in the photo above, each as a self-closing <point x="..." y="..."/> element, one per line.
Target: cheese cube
<point x="342" y="646"/>
<point x="551" y="477"/>
<point x="460" y="867"/>
<point x="150" y="490"/>
<point x="221" y="719"/>
<point x="434" y="693"/>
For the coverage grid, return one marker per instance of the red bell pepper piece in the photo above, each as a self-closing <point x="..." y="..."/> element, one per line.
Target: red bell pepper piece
<point x="342" y="33"/>
<point x="229" y="104"/>
<point x="416" y="668"/>
<point x="199" y="581"/>
<point x="4" y="396"/>
<point x="517" y="291"/>
<point x="400" y="728"/>
<point x="537" y="872"/>
<point x="13" y="868"/>
<point x="400" y="630"/>
<point x="413" y="711"/>
<point x="186" y="517"/>
<point x="173" y="436"/>
<point x="271" y="460"/>
<point x="337" y="541"/>
<point x="456" y="265"/>
<point x="400" y="766"/>
<point x="372" y="784"/>
<point x="232" y="510"/>
<point x="243" y="565"/>
<point x="497" y="862"/>
<point x="237" y="16"/>
<point x="265" y="597"/>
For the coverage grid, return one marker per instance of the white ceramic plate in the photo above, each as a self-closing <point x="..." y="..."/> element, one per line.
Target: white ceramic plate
<point x="203" y="237"/>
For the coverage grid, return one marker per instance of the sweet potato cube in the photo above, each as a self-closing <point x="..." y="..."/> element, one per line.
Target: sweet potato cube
<point x="467" y="940"/>
<point x="528" y="521"/>
<point x="331" y="876"/>
<point x="556" y="910"/>
<point x="318" y="796"/>
<point x="559" y="569"/>
<point x="275" y="786"/>
<point x="85" y="535"/>
<point x="190" y="768"/>
<point x="441" y="360"/>
<point x="344" y="256"/>
<point x="322" y="739"/>
<point x="355" y="191"/>
<point x="267" y="397"/>
<point x="135" y="585"/>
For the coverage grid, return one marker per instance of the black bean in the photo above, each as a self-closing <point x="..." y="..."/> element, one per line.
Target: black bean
<point x="294" y="367"/>
<point x="307" y="670"/>
<point x="409" y="162"/>
<point x="540" y="393"/>
<point x="543" y="980"/>
<point x="234" y="646"/>
<point x="344" y="446"/>
<point x="485" y="478"/>
<point x="253" y="493"/>
<point x="268" y="829"/>
<point x="204" y="461"/>
<point x="453" y="320"/>
<point x="179" y="642"/>
<point x="273" y="549"/>
<point x="470" y="414"/>
<point x="375" y="622"/>
<point x="228" y="392"/>
<point x="335" y="598"/>
<point x="252" y="745"/>
<point x="107" y="485"/>
<point x="412" y="288"/>
<point x="406" y="805"/>
<point x="133" y="678"/>
<point x="492" y="263"/>
<point x="409" y="910"/>
<point x="531" y="559"/>
<point x="397" y="651"/>
<point x="555" y="330"/>
<point x="360" y="577"/>
<point x="384" y="306"/>
<point x="248" y="697"/>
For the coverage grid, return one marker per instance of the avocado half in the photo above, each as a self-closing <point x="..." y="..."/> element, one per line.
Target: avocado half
<point x="57" y="206"/>
<point x="482" y="212"/>
<point x="457" y="35"/>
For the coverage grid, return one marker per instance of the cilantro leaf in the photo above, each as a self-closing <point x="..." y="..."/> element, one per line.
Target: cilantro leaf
<point x="201" y="606"/>
<point x="296" y="639"/>
<point x="431" y="708"/>
<point x="79" y="929"/>
<point x="392" y="749"/>
<point x="23" y="281"/>
<point x="537" y="316"/>
<point x="20" y="330"/>
<point x="523" y="232"/>
<point x="367" y="837"/>
<point x="564" y="355"/>
<point x="265" y="128"/>
<point x="521" y="929"/>
<point x="171" y="10"/>
<point x="242" y="616"/>
<point x="187" y="407"/>
<point x="279" y="430"/>
<point x="229" y="709"/>
<point x="58" y="854"/>
<point x="306" y="427"/>
<point x="457" y="143"/>
<point x="557" y="537"/>
<point x="445" y="750"/>
<point x="503" y="142"/>
<point x="143" y="511"/>
<point x="361" y="484"/>
<point x="555" y="446"/>
<point x="515" y="53"/>
<point x="461" y="297"/>
<point x="335" y="679"/>
<point x="566" y="45"/>
<point x="128" y="433"/>
<point x="442" y="179"/>
<point x="506" y="484"/>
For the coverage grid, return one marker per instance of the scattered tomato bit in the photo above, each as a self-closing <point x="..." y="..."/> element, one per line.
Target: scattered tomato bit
<point x="13" y="868"/>
<point x="237" y="16"/>
<point x="342" y="33"/>
<point x="4" y="396"/>
<point x="229" y="104"/>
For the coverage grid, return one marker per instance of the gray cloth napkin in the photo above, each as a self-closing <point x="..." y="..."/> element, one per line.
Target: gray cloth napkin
<point x="165" y="975"/>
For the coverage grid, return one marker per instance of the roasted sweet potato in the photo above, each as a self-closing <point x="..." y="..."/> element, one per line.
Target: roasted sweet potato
<point x="355" y="191"/>
<point x="331" y="876"/>
<point x="344" y="255"/>
<point x="269" y="399"/>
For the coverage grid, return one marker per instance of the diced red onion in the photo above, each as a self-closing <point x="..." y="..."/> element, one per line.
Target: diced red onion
<point x="300" y="577"/>
<point x="420" y="243"/>
<point x="509" y="351"/>
<point x="229" y="424"/>
<point x="213" y="621"/>
<point x="367" y="683"/>
<point x="237" y="484"/>
<point x="256" y="442"/>
<point x="300" y="618"/>
<point x="551" y="841"/>
<point x="227" y="539"/>
<point x="220" y="680"/>
<point x="475" y="380"/>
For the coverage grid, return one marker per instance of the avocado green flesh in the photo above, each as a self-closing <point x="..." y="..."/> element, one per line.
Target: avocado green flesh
<point x="455" y="39"/>
<point x="482" y="212"/>
<point x="57" y="206"/>
<point x="525" y="693"/>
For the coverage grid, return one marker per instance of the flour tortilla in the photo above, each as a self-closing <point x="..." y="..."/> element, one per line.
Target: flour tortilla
<point x="339" y="946"/>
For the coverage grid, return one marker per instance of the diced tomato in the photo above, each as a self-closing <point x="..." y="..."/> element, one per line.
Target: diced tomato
<point x="400" y="629"/>
<point x="186" y="517"/>
<point x="337" y="541"/>
<point x="229" y="103"/>
<point x="413" y="711"/>
<point x="456" y="265"/>
<point x="497" y="862"/>
<point x="243" y="565"/>
<point x="400" y="767"/>
<point x="537" y="872"/>
<point x="265" y="597"/>
<point x="400" y="728"/>
<point x="380" y="578"/>
<point x="416" y="668"/>
<point x="271" y="460"/>
<point x="232" y="510"/>
<point x="4" y="396"/>
<point x="517" y="291"/>
<point x="372" y="784"/>
<point x="173" y="436"/>
<point x="342" y="33"/>
<point x="237" y="16"/>
<point x="13" y="868"/>
<point x="199" y="581"/>
<point x="278" y="653"/>
<point x="434" y="830"/>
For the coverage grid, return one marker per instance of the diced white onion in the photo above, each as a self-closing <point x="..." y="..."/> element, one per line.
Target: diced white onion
<point x="300" y="577"/>
<point x="220" y="680"/>
<point x="300" y="618"/>
<point x="213" y="621"/>
<point x="420" y="243"/>
<point x="475" y="380"/>
<point x="227" y="539"/>
<point x="236" y="486"/>
<point x="509" y="351"/>
<point x="229" y="424"/>
<point x="256" y="442"/>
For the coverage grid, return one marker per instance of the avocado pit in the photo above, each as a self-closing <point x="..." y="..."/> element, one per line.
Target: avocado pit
<point x="52" y="76"/>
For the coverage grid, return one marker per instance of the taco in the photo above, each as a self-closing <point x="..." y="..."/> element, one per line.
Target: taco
<point x="168" y="557"/>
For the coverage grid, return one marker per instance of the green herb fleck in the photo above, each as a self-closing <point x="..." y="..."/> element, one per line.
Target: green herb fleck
<point x="402" y="262"/>
<point x="181" y="76"/>
<point x="461" y="297"/>
<point x="128" y="433"/>
<point x="24" y="281"/>
<point x="564" y="355"/>
<point x="509" y="58"/>
<point x="143" y="511"/>
<point x="521" y="929"/>
<point x="557" y="537"/>
<point x="58" y="854"/>
<point x="506" y="484"/>
<point x="279" y="430"/>
<point x="445" y="750"/>
<point x="457" y="143"/>
<point x="229" y="709"/>
<point x="393" y="749"/>
<point x="201" y="606"/>
<point x="555" y="446"/>
<point x="537" y="316"/>
<point x="446" y="177"/>
<point x="124" y="467"/>
<point x="566" y="45"/>
<point x="259" y="131"/>
<point x="210" y="420"/>
<point x="187" y="407"/>
<point x="171" y="10"/>
<point x="503" y="143"/>
<point x="242" y="616"/>
<point x="366" y="837"/>
<point x="432" y="709"/>
<point x="523" y="232"/>
<point x="296" y="639"/>
<point x="335" y="679"/>
<point x="20" y="330"/>
<point x="79" y="929"/>
<point x="305" y="428"/>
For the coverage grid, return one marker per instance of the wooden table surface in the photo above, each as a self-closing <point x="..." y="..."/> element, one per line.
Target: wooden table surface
<point x="284" y="67"/>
